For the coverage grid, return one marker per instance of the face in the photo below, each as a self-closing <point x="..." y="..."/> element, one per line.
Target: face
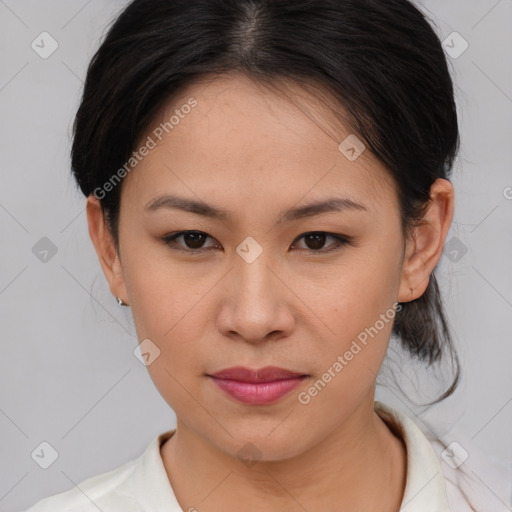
<point x="269" y="282"/>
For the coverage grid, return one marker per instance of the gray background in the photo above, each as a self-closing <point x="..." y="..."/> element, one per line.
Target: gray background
<point x="68" y="374"/>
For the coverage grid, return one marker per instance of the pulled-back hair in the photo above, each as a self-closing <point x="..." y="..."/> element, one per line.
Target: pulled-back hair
<point x="380" y="60"/>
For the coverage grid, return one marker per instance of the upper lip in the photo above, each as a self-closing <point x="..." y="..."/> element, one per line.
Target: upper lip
<point x="266" y="374"/>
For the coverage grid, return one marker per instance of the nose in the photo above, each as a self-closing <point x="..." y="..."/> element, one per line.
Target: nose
<point x="257" y="304"/>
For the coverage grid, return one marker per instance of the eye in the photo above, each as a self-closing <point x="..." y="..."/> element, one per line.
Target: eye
<point x="315" y="240"/>
<point x="194" y="241"/>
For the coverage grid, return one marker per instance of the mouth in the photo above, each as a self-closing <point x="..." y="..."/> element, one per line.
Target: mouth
<point x="257" y="386"/>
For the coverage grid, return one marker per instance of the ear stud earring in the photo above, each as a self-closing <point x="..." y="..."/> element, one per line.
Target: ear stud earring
<point x="121" y="302"/>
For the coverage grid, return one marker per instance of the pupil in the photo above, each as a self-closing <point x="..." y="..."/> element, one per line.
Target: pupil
<point x="318" y="240"/>
<point x="196" y="239"/>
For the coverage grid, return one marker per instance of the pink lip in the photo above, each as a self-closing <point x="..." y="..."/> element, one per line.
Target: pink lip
<point x="261" y="386"/>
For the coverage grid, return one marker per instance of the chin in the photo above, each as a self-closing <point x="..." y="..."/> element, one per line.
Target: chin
<point x="265" y="444"/>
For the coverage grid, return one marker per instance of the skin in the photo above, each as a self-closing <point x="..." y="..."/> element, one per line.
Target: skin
<point x="246" y="150"/>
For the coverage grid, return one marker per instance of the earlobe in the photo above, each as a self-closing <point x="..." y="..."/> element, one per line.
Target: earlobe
<point x="425" y="248"/>
<point x="105" y="247"/>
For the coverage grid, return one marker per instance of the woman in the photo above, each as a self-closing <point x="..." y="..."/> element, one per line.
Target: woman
<point x="267" y="189"/>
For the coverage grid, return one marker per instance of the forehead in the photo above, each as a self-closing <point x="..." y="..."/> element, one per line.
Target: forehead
<point x="244" y="134"/>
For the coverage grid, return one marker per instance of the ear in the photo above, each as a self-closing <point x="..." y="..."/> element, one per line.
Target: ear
<point x="425" y="248"/>
<point x="105" y="247"/>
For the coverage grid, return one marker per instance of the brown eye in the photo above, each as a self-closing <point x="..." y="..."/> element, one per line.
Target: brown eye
<point x="315" y="241"/>
<point x="192" y="240"/>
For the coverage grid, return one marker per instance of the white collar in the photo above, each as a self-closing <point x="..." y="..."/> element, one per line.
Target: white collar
<point x="425" y="489"/>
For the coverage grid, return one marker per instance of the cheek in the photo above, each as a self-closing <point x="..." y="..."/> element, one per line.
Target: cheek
<point x="160" y="290"/>
<point x="169" y="313"/>
<point x="356" y="294"/>
<point x="161" y="301"/>
<point x="350" y="362"/>
<point x="359" y="307"/>
<point x="168" y="310"/>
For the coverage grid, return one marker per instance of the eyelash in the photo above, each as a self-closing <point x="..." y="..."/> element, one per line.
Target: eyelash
<point x="170" y="240"/>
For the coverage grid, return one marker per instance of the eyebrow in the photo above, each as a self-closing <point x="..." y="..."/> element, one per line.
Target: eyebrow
<point x="332" y="204"/>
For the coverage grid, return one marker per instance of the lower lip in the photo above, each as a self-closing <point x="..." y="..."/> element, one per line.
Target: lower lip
<point x="257" y="393"/>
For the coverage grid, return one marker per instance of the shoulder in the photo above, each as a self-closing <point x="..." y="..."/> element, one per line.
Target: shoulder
<point x="474" y="480"/>
<point x="108" y="491"/>
<point x="454" y="474"/>
<point x="139" y="485"/>
<point x="136" y="486"/>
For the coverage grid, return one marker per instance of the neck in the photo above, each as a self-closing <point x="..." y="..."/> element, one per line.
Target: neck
<point x="361" y="465"/>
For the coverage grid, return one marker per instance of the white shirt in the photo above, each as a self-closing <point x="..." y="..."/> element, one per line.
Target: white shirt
<point x="142" y="485"/>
